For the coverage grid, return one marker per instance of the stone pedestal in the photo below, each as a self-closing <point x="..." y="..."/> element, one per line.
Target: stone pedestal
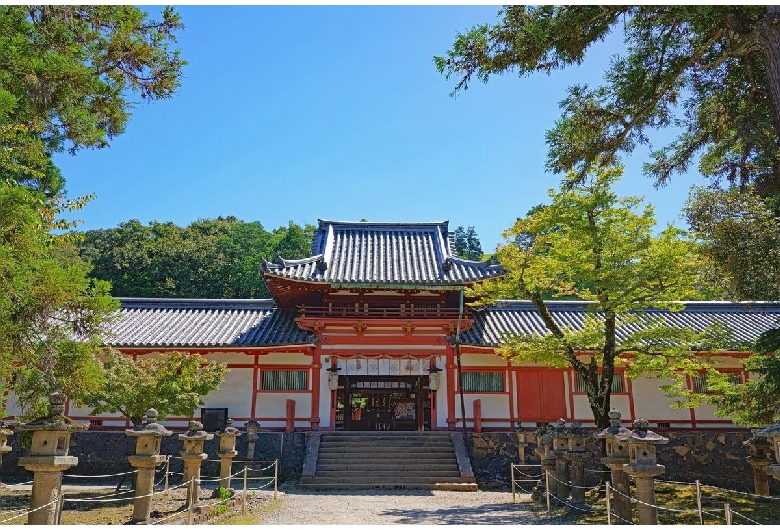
<point x="560" y="448"/>
<point x="617" y="456"/>
<point x="48" y="459"/>
<point x="643" y="467"/>
<point x="544" y="451"/>
<point x="227" y="451"/>
<point x="577" y="455"/>
<point x="252" y="427"/>
<point x="146" y="458"/>
<point x="759" y="459"/>
<point x="194" y="440"/>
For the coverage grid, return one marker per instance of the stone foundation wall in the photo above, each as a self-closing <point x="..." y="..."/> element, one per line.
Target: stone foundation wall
<point x="714" y="458"/>
<point x="106" y="452"/>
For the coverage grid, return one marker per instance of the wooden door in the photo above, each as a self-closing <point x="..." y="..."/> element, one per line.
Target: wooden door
<point x="542" y="395"/>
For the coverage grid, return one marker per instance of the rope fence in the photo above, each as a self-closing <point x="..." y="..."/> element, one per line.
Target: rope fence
<point x="262" y="475"/>
<point x="550" y="482"/>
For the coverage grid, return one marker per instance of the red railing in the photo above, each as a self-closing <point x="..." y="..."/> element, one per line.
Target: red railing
<point x="380" y="312"/>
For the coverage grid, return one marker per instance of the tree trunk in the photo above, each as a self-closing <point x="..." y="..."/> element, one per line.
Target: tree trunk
<point x="770" y="37"/>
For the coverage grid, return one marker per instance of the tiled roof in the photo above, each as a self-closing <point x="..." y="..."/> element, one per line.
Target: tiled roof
<point x="383" y="253"/>
<point x="746" y="321"/>
<point x="171" y="323"/>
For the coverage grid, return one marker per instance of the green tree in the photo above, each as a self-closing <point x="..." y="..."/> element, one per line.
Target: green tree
<point x="51" y="313"/>
<point x="210" y="258"/>
<point x="592" y="245"/>
<point x="467" y="244"/>
<point x="172" y="383"/>
<point x="711" y="71"/>
<point x="755" y="402"/>
<point x="66" y="77"/>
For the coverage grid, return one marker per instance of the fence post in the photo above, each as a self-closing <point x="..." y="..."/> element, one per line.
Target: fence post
<point x="243" y="504"/>
<point x="512" y="473"/>
<point x="609" y="506"/>
<point x="698" y="502"/>
<point x="167" y="471"/>
<point x="727" y="509"/>
<point x="276" y="477"/>
<point x="547" y="487"/>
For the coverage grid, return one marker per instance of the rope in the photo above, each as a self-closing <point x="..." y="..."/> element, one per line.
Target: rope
<point x="745" y="518"/>
<point x="102" y="476"/>
<point x="31" y="511"/>
<point x="102" y="499"/>
<point x="715" y="515"/>
<point x="618" y="517"/>
<point x="586" y="510"/>
<point x="570" y="485"/>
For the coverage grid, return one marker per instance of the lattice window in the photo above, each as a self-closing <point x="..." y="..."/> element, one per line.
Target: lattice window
<point x="617" y="384"/>
<point x="483" y="382"/>
<point x="700" y="385"/>
<point x="284" y="380"/>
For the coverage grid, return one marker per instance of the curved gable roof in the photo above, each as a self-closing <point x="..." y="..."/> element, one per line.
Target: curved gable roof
<point x="383" y="253"/>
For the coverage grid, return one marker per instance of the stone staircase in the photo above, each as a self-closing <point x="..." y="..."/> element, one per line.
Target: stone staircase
<point x="387" y="460"/>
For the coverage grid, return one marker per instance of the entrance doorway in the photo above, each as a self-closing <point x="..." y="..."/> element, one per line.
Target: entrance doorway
<point x="383" y="403"/>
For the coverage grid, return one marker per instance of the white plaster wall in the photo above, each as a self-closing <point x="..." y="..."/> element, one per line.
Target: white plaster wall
<point x="230" y="357"/>
<point x="583" y="413"/>
<point x="493" y="405"/>
<point x="441" y="401"/>
<point x="325" y="396"/>
<point x="235" y="393"/>
<point x="274" y="404"/>
<point x="651" y="403"/>
<point x="482" y="359"/>
<point x="284" y="358"/>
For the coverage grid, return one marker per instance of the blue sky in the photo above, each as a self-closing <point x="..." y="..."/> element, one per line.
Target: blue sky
<point x="305" y="112"/>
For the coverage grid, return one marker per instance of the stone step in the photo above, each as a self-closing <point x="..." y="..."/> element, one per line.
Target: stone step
<point x="380" y="466"/>
<point x="366" y="479"/>
<point x="453" y="486"/>
<point x="375" y="474"/>
<point x="417" y="453"/>
<point x="347" y="458"/>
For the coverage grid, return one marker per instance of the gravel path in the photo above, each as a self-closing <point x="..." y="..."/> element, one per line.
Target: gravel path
<point x="377" y="507"/>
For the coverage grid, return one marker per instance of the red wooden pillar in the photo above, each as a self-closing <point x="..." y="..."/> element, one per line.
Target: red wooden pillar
<point x="316" y="371"/>
<point x="450" y="371"/>
<point x="290" y="427"/>
<point x="477" y="415"/>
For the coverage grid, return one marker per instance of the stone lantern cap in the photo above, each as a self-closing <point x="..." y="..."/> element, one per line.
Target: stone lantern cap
<point x="772" y="431"/>
<point x="55" y="420"/>
<point x="641" y="435"/>
<point x="149" y="428"/>
<point x="615" y="430"/>
<point x="196" y="432"/>
<point x="229" y="429"/>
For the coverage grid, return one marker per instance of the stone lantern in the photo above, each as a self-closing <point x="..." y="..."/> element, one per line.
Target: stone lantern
<point x="772" y="435"/>
<point x="577" y="454"/>
<point x="643" y="466"/>
<point x="227" y="451"/>
<point x="544" y="451"/>
<point x="146" y="458"/>
<point x="615" y="438"/>
<point x="194" y="440"/>
<point x="759" y="458"/>
<point x="252" y="427"/>
<point x="5" y="432"/>
<point x="560" y="437"/>
<point x="48" y="458"/>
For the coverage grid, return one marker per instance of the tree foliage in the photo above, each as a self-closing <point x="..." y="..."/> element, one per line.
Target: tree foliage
<point x="172" y="383"/>
<point x="210" y="258"/>
<point x="66" y="77"/>
<point x="51" y="313"/>
<point x="467" y="244"/>
<point x="713" y="72"/>
<point x="594" y="246"/>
